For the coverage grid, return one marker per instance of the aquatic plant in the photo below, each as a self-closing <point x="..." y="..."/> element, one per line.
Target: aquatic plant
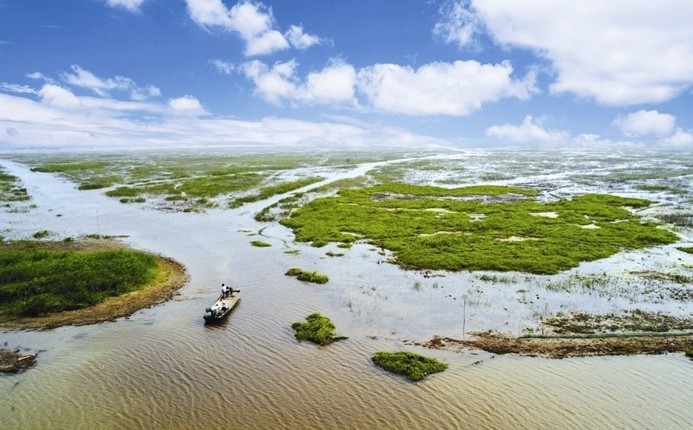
<point x="36" y="279"/>
<point x="414" y="366"/>
<point x="260" y="243"/>
<point x="269" y="191"/>
<point x="317" y="329"/>
<point x="41" y="234"/>
<point x="688" y="249"/>
<point x="11" y="189"/>
<point x="308" y="276"/>
<point x="436" y="228"/>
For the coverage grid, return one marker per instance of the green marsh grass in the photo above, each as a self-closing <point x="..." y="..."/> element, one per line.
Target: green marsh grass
<point x="35" y="281"/>
<point x="436" y="228"/>
<point x="11" y="189"/>
<point x="414" y="366"/>
<point x="260" y="244"/>
<point x="308" y="276"/>
<point x="317" y="329"/>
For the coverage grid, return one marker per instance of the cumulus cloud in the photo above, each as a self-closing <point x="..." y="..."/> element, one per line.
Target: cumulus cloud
<point x="615" y="52"/>
<point x="253" y="21"/>
<point x="457" y="88"/>
<point x="86" y="79"/>
<point x="530" y="130"/>
<point x="458" y="23"/>
<point x="680" y="137"/>
<point x="131" y="5"/>
<point x="60" y="97"/>
<point x="646" y="123"/>
<point x="187" y="105"/>
<point x="332" y="85"/>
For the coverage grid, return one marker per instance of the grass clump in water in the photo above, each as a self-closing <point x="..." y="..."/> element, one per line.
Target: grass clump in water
<point x="317" y="329"/>
<point x="414" y="366"/>
<point x="260" y="244"/>
<point x="36" y="280"/>
<point x="308" y="276"/>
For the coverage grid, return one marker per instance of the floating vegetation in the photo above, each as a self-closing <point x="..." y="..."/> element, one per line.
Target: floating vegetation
<point x="688" y="249"/>
<point x="334" y="254"/>
<point x="414" y="366"/>
<point x="42" y="278"/>
<point x="478" y="227"/>
<point x="317" y="329"/>
<point x="308" y="276"/>
<point x="292" y="251"/>
<point x="260" y="244"/>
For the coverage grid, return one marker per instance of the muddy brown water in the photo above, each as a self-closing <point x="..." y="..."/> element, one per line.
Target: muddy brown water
<point x="162" y="368"/>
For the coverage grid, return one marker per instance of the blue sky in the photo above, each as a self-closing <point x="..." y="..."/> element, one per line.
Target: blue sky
<point x="346" y="74"/>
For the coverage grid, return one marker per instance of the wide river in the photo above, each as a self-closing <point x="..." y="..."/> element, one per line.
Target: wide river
<point x="162" y="368"/>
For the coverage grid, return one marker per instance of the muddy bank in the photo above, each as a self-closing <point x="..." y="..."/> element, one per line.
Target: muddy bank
<point x="174" y="276"/>
<point x="562" y="347"/>
<point x="15" y="361"/>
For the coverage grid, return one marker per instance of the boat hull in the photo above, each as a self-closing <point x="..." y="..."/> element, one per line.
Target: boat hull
<point x="221" y="308"/>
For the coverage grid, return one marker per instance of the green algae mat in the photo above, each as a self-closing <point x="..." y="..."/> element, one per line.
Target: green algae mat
<point x="478" y="227"/>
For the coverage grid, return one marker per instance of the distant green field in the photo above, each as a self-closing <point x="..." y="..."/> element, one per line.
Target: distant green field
<point x="478" y="227"/>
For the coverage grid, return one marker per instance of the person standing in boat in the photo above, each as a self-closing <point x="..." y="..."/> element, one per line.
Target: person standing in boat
<point x="224" y="291"/>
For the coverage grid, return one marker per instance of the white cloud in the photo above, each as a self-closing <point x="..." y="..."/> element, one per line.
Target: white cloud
<point x="223" y="66"/>
<point x="253" y="21"/>
<point x="458" y="24"/>
<point x="187" y="105"/>
<point x="131" y="5"/>
<point x="59" y="97"/>
<point x="457" y="89"/>
<point x="646" y="123"/>
<point x="301" y="40"/>
<point x="86" y="79"/>
<point x="615" y="52"/>
<point x="93" y="121"/>
<point x="332" y="85"/>
<point x="18" y="89"/>
<point x="529" y="131"/>
<point x="680" y="137"/>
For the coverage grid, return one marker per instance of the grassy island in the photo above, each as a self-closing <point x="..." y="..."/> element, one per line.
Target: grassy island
<point x="478" y="227"/>
<point x="414" y="366"/>
<point x="308" y="276"/>
<point x="317" y="329"/>
<point x="46" y="284"/>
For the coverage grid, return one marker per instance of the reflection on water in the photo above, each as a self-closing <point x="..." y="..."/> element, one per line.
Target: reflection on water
<point x="162" y="368"/>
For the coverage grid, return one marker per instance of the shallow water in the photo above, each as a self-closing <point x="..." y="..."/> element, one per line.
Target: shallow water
<point x="163" y="368"/>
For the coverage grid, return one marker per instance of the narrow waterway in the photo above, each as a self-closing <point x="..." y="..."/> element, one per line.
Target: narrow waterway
<point x="162" y="368"/>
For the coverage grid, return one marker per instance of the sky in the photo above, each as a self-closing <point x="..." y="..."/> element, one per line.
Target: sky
<point x="355" y="74"/>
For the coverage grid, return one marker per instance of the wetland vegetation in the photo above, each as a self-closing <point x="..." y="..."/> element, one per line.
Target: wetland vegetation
<point x="317" y="329"/>
<point x="414" y="366"/>
<point x="45" y="284"/>
<point x="307" y="275"/>
<point x="497" y="228"/>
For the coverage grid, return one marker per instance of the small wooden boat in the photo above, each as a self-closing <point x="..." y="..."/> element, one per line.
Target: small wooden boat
<point x="222" y="307"/>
